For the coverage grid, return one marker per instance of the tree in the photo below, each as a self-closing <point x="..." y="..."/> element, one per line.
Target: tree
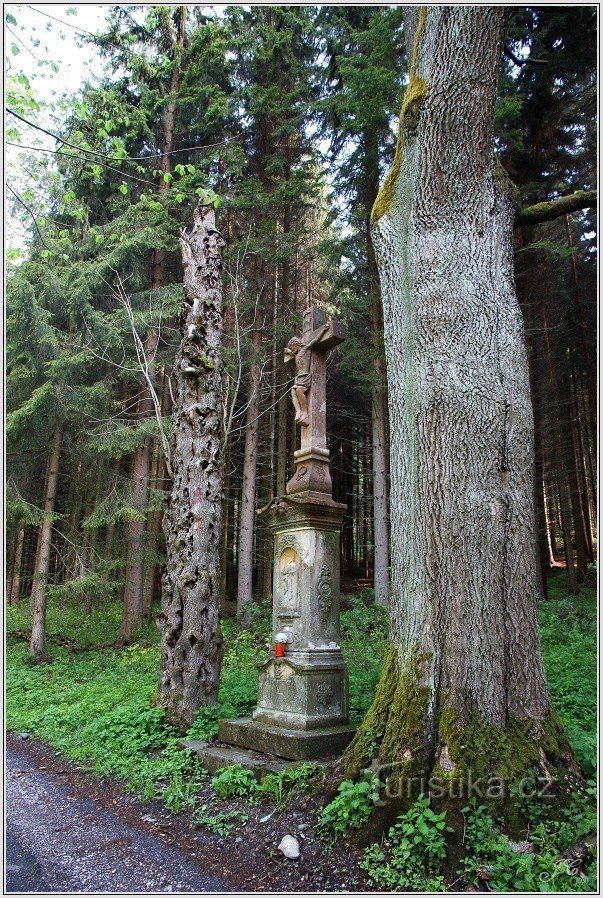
<point x="189" y="620"/>
<point x="362" y="85"/>
<point x="273" y="73"/>
<point x="463" y="689"/>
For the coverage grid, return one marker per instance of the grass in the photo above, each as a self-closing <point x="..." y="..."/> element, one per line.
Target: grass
<point x="94" y="703"/>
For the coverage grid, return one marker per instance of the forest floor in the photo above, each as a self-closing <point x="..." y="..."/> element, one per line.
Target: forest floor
<point x="70" y="831"/>
<point x="85" y="723"/>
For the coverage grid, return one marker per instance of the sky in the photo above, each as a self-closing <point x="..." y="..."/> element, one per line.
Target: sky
<point x="60" y="42"/>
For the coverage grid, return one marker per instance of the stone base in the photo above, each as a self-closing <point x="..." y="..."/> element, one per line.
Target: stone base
<point x="215" y="757"/>
<point x="299" y="745"/>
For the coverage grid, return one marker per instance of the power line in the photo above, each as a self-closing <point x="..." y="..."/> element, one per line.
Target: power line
<point x="68" y="24"/>
<point x="74" y="146"/>
<point x="124" y="174"/>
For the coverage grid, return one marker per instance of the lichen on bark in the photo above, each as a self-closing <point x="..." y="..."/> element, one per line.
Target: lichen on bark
<point x="415" y="92"/>
<point x="463" y="686"/>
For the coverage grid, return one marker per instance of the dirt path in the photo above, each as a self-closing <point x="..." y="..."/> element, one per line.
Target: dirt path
<point x="57" y="842"/>
<point x="69" y="831"/>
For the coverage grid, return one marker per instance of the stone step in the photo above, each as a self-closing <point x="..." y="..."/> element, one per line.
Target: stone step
<point x="216" y="757"/>
<point x="299" y="745"/>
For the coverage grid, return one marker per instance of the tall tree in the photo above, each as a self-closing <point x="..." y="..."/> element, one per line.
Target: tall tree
<point x="463" y="688"/>
<point x="40" y="577"/>
<point x="362" y="86"/>
<point x="189" y="620"/>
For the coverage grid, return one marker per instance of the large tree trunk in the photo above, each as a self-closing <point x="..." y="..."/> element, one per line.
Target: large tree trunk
<point x="247" y="514"/>
<point x="38" y="628"/>
<point x="379" y="441"/>
<point x="463" y="690"/>
<point x="189" y="619"/>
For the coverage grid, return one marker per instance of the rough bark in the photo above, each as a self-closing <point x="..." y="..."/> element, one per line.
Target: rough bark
<point x="463" y="688"/>
<point x="379" y="440"/>
<point x="40" y="579"/>
<point x="189" y="618"/>
<point x="153" y="530"/>
<point x="528" y="288"/>
<point x="15" y="583"/>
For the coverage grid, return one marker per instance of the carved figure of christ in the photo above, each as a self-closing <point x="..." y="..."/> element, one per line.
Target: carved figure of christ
<point x="309" y="387"/>
<point x="302" y="354"/>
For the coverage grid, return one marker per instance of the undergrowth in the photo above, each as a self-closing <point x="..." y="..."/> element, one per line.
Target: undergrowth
<point x="94" y="702"/>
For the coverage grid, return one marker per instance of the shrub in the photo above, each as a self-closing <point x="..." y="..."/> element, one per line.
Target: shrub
<point x="235" y="782"/>
<point x="493" y="858"/>
<point x="350" y="808"/>
<point x="412" y="853"/>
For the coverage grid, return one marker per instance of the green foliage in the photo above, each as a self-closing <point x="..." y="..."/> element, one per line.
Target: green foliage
<point x="94" y="703"/>
<point x="93" y="586"/>
<point x="221" y="823"/>
<point x="235" y="782"/>
<point x="492" y="857"/>
<point x="411" y="855"/>
<point x="569" y="640"/>
<point x="363" y="629"/>
<point x="350" y="809"/>
<point x="279" y="786"/>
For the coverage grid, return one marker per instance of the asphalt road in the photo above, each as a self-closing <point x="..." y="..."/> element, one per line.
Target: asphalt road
<point x="56" y="842"/>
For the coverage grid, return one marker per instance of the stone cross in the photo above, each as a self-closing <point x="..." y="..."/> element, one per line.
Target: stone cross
<point x="309" y="395"/>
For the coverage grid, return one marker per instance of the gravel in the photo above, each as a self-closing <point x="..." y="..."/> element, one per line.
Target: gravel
<point x="57" y="842"/>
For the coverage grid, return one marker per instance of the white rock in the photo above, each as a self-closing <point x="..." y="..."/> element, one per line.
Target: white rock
<point x="289" y="847"/>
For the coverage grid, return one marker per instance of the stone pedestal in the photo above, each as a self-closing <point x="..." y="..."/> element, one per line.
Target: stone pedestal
<point x="303" y="695"/>
<point x="302" y="707"/>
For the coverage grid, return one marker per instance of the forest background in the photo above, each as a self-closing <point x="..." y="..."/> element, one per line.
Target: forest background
<point x="285" y="120"/>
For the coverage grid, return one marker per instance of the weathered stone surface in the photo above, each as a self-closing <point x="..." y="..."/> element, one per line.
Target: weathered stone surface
<point x="305" y="745"/>
<point x="289" y="847"/>
<point x="215" y="757"/>
<point x="302" y="709"/>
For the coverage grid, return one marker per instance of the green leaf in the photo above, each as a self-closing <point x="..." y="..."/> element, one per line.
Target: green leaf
<point x="123" y="188"/>
<point x="168" y="177"/>
<point x="54" y="67"/>
<point x="10" y="19"/>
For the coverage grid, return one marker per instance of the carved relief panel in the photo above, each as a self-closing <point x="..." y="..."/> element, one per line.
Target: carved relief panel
<point x="289" y="560"/>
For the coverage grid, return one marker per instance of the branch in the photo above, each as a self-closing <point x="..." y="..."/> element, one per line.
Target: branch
<point x="552" y="209"/>
<point x="74" y="146"/>
<point x="26" y="207"/>
<point x="520" y="62"/>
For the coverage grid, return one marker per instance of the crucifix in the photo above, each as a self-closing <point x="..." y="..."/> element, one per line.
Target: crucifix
<point x="302" y="709"/>
<point x="308" y="393"/>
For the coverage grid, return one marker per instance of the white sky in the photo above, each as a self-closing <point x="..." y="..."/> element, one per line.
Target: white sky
<point x="58" y="43"/>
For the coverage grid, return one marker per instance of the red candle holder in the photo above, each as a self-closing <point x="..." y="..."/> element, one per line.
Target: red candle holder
<point x="279" y="649"/>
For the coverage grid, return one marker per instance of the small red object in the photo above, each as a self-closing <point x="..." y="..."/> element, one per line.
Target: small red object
<point x="279" y="649"/>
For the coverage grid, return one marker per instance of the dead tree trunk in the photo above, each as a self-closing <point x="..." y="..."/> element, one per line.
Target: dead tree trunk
<point x="38" y="628"/>
<point x="463" y="691"/>
<point x="189" y="619"/>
